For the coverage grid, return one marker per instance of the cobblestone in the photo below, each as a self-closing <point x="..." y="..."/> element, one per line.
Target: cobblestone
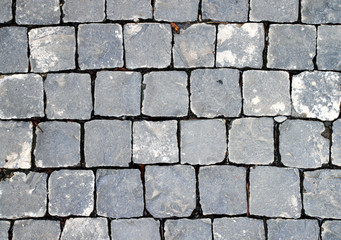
<point x="274" y="11"/>
<point x="188" y="229"/>
<point x="225" y="10"/>
<point x="176" y="10"/>
<point x="36" y="229"/>
<point x="87" y="11"/>
<point x="5" y="11"/>
<point x="331" y="230"/>
<point x="336" y="143"/>
<point x="4" y="228"/>
<point x="127" y="229"/>
<point x="320" y="11"/>
<point x="123" y="9"/>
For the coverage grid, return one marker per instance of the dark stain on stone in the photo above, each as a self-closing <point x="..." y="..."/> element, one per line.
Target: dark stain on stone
<point x="5" y="174"/>
<point x="220" y="82"/>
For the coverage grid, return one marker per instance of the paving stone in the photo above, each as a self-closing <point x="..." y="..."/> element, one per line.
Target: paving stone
<point x="274" y="11"/>
<point x="266" y="93"/>
<point x="302" y="145"/>
<point x="251" y="141"/>
<point x="225" y="10"/>
<point x="238" y="228"/>
<point x="4" y="228"/>
<point x="143" y="229"/>
<point x="275" y="192"/>
<point x="215" y="92"/>
<point x="23" y="195"/>
<point x="203" y="142"/>
<point x="5" y="12"/>
<point x="165" y="94"/>
<point x="223" y="190"/>
<point x="186" y="229"/>
<point x="304" y="229"/>
<point x="127" y="10"/>
<point x="176" y="10"/>
<point x="317" y="95"/>
<point x="13" y="49"/>
<point x="331" y="230"/>
<point x="37" y="12"/>
<point x="147" y="45"/>
<point x="117" y="93"/>
<point x="68" y="96"/>
<point x="119" y="193"/>
<point x="36" y="229"/>
<point x="336" y="144"/>
<point x="84" y="11"/>
<point x="321" y="11"/>
<point x="57" y="144"/>
<point x="291" y="47"/>
<point x="21" y="96"/>
<point x="170" y="190"/>
<point x="240" y="45"/>
<point x="194" y="46"/>
<point x="85" y="228"/>
<point x="100" y="46"/>
<point x="52" y="48"/>
<point x="155" y="142"/>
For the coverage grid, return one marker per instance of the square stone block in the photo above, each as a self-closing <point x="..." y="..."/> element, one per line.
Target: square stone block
<point x="85" y="228"/>
<point x="199" y="229"/>
<point x="36" y="229"/>
<point x="128" y="229"/>
<point x="128" y="10"/>
<point x="274" y="10"/>
<point x="176" y="10"/>
<point x="84" y="10"/>
<point x="225" y="10"/>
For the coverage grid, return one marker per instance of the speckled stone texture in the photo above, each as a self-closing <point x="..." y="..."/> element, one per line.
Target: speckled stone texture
<point x="4" y="228"/>
<point x="5" y="11"/>
<point x="127" y="229"/>
<point x="225" y="10"/>
<point x="274" y="11"/>
<point x="176" y="10"/>
<point x="320" y="11"/>
<point x="36" y="229"/>
<point x="188" y="229"/>
<point x="336" y="143"/>
<point x="331" y="230"/>
<point x="127" y="9"/>
<point x="85" y="11"/>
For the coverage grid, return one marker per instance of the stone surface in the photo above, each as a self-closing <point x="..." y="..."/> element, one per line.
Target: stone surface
<point x="317" y="95"/>
<point x="240" y="45"/>
<point x="275" y="192"/>
<point x="84" y="11"/>
<point x="291" y="47"/>
<point x="68" y="96"/>
<point x="5" y="12"/>
<point x="225" y="10"/>
<point x="251" y="141"/>
<point x="119" y="193"/>
<point x="184" y="229"/>
<point x="170" y="190"/>
<point x="23" y="195"/>
<point x="266" y="93"/>
<point x="331" y="230"/>
<point x="155" y="142"/>
<point x="85" y="228"/>
<point x="280" y="119"/>
<point x="165" y="94"/>
<point x="100" y="46"/>
<point x="203" y="142"/>
<point x="4" y="228"/>
<point x="127" y="10"/>
<point x="57" y="144"/>
<point x="176" y="10"/>
<point x="52" y="48"/>
<point x="320" y="11"/>
<point x="194" y="46"/>
<point x="147" y="45"/>
<point x="274" y="11"/>
<point x="36" y="229"/>
<point x="336" y="144"/>
<point x="143" y="229"/>
<point x="223" y="190"/>
<point x="302" y="144"/>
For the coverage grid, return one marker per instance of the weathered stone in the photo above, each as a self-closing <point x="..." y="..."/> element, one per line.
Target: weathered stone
<point x="128" y="10"/>
<point x="223" y="190"/>
<point x="336" y="145"/>
<point x="4" y="228"/>
<point x="127" y="229"/>
<point x="203" y="142"/>
<point x="170" y="190"/>
<point x="274" y="11"/>
<point x="100" y="46"/>
<point x="68" y="96"/>
<point x="291" y="47"/>
<point x="183" y="229"/>
<point x="119" y="193"/>
<point x="147" y="45"/>
<point x="194" y="46"/>
<point x="165" y="94"/>
<point x="275" y="192"/>
<point x="240" y="45"/>
<point x="266" y="93"/>
<point x="36" y="229"/>
<point x="23" y="195"/>
<point x="251" y="141"/>
<point x="155" y="142"/>
<point x="52" y="48"/>
<point x="321" y="11"/>
<point x="225" y="10"/>
<point x="84" y="11"/>
<point x="85" y="228"/>
<point x="302" y="144"/>
<point x="176" y="10"/>
<point x="5" y="12"/>
<point x="317" y="95"/>
<point x="331" y="230"/>
<point x="58" y="144"/>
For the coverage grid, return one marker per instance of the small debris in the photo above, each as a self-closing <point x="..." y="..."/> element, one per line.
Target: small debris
<point x="175" y="28"/>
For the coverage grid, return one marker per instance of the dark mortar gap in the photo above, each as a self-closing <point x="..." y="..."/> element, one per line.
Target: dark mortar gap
<point x="161" y="229"/>
<point x="190" y="114"/>
<point x="241" y="93"/>
<point x="34" y="143"/>
<point x="248" y="11"/>
<point x="199" y="18"/>
<point x="76" y="51"/>
<point x="143" y="87"/>
<point x="82" y="135"/>
<point x="228" y="124"/>
<point x="105" y="10"/>
<point x="109" y="229"/>
<point x="314" y="59"/>
<point x="131" y="144"/>
<point x="172" y="49"/>
<point x="94" y="212"/>
<point x="124" y="49"/>
<point x="299" y="20"/>
<point x="14" y="6"/>
<point x="197" y="212"/>
<point x="328" y="133"/>
<point x="61" y="3"/>
<point x="265" y="228"/>
<point x="178" y="136"/>
<point x="10" y="230"/>
<point x="212" y="230"/>
<point x="277" y="156"/>
<point x="142" y="169"/>
<point x="320" y="222"/>
<point x="44" y="92"/>
<point x="215" y="45"/>
<point x="47" y="214"/>
<point x="28" y="53"/>
<point x="266" y="44"/>
<point x="152" y="3"/>
<point x="302" y="191"/>
<point x="248" y="191"/>
<point x="93" y="76"/>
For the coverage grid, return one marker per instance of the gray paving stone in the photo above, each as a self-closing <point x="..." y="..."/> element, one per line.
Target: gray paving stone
<point x="302" y="145"/>
<point x="266" y="93"/>
<point x="127" y="10"/>
<point x="117" y="93"/>
<point x="84" y="11"/>
<point x="85" y="228"/>
<point x="143" y="229"/>
<point x="238" y="228"/>
<point x="274" y="11"/>
<point x="36" y="230"/>
<point x="58" y="145"/>
<point x="155" y="142"/>
<point x="37" y="12"/>
<point x="240" y="45"/>
<point x="176" y="10"/>
<point x="194" y="46"/>
<point x="147" y="45"/>
<point x="23" y="195"/>
<point x="165" y="94"/>
<point x="203" y="142"/>
<point x="119" y="193"/>
<point x="215" y="92"/>
<point x="52" y="48"/>
<point x="331" y="230"/>
<point x="336" y="144"/>
<point x="5" y="11"/>
<point x="21" y="96"/>
<point x="223" y="190"/>
<point x="275" y="192"/>
<point x="13" y="49"/>
<point x="68" y="96"/>
<point x="251" y="141"/>
<point x="317" y="95"/>
<point x="170" y="190"/>
<point x="186" y="229"/>
<point x="225" y="10"/>
<point x="329" y="47"/>
<point x="321" y="11"/>
<point x="4" y="228"/>
<point x="291" y="47"/>
<point x="100" y="46"/>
